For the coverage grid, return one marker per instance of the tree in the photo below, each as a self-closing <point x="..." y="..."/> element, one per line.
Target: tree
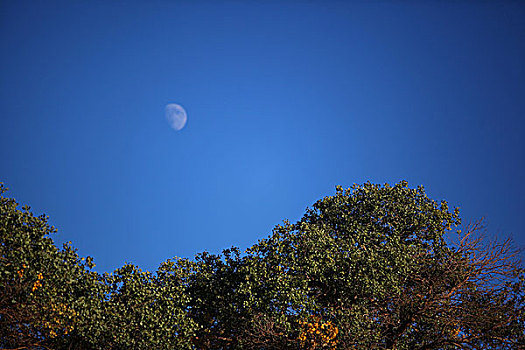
<point x="51" y="299"/>
<point x="374" y="261"/>
<point x="44" y="291"/>
<point x="371" y="267"/>
<point x="147" y="311"/>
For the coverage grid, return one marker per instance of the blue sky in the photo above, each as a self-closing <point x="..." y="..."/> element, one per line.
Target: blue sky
<point x="285" y="100"/>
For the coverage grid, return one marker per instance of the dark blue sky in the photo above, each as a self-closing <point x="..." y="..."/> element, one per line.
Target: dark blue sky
<point x="285" y="100"/>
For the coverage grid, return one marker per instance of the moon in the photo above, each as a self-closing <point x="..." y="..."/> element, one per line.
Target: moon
<point x="176" y="116"/>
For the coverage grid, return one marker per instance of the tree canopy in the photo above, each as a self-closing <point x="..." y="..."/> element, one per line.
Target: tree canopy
<point x="371" y="267"/>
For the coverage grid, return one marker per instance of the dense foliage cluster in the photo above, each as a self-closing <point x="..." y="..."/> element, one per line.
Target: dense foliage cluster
<point x="371" y="267"/>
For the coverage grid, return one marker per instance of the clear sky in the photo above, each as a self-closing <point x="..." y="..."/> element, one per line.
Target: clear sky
<point x="285" y="100"/>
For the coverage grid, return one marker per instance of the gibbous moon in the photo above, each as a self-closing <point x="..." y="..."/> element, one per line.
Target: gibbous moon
<point x="176" y="116"/>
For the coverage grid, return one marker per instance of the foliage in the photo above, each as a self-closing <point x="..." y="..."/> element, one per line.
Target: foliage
<point x="318" y="334"/>
<point x="371" y="267"/>
<point x="45" y="292"/>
